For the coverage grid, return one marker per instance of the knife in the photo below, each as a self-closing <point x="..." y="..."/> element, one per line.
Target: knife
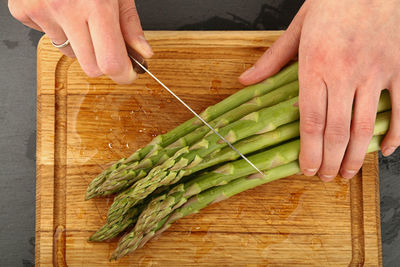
<point x="140" y="66"/>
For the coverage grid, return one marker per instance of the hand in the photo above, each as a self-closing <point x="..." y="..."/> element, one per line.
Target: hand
<point x="348" y="52"/>
<point x="97" y="31"/>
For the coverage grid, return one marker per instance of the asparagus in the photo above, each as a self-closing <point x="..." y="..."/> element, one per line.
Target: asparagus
<point x="160" y="207"/>
<point x="121" y="179"/>
<point x="131" y="242"/>
<point x="286" y="75"/>
<point x="163" y="205"/>
<point x="179" y="194"/>
<point x="111" y="230"/>
<point x="258" y="122"/>
<point x="173" y="169"/>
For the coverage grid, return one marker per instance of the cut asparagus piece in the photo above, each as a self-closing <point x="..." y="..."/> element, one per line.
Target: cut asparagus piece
<point x="131" y="242"/>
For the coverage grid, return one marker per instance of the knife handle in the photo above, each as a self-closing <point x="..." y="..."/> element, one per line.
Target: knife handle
<point x="138" y="57"/>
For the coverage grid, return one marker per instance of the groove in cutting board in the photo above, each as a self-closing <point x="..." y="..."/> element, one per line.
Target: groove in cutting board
<point x="60" y="161"/>
<point x="63" y="242"/>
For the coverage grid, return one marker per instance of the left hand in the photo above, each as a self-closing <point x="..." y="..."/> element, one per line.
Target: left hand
<point x="348" y="53"/>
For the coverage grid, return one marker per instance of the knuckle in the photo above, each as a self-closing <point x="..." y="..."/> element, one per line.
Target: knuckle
<point x="56" y="5"/>
<point x="36" y="11"/>
<point x="312" y="123"/>
<point x="336" y="133"/>
<point x="17" y="13"/>
<point x="363" y="129"/>
<point x="129" y="13"/>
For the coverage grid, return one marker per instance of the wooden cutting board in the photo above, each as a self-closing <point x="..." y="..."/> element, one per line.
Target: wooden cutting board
<point x="85" y="124"/>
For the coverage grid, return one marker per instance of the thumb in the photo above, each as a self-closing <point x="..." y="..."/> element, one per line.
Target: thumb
<point x="132" y="29"/>
<point x="279" y="54"/>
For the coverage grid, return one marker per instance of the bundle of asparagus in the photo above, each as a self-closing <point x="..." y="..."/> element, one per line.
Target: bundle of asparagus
<point x="189" y="168"/>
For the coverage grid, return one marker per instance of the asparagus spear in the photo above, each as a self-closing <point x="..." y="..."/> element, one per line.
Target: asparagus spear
<point x="173" y="169"/>
<point x="161" y="206"/>
<point x="261" y="121"/>
<point x="167" y="203"/>
<point x="123" y="178"/>
<point x="286" y="75"/>
<point x="131" y="242"/>
<point x="111" y="230"/>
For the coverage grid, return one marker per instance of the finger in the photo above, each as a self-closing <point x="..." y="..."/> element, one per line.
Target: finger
<point x="131" y="28"/>
<point x="79" y="36"/>
<point x="312" y="105"/>
<point x="362" y="129"/>
<point x="54" y="32"/>
<point x="337" y="129"/>
<point x="19" y="14"/>
<point x="29" y="23"/>
<point x="279" y="54"/>
<point x="392" y="138"/>
<point x="109" y="44"/>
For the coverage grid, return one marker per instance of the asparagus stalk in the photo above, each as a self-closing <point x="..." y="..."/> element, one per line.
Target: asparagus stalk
<point x="123" y="178"/>
<point x="131" y="242"/>
<point x="264" y="120"/>
<point x="286" y="75"/>
<point x="163" y="205"/>
<point x="160" y="206"/>
<point x="111" y="230"/>
<point x="173" y="169"/>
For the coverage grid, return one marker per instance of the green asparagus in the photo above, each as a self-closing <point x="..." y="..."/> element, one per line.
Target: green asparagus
<point x="131" y="242"/>
<point x="264" y="120"/>
<point x="287" y="75"/>
<point x="123" y="178"/>
<point x="163" y="205"/>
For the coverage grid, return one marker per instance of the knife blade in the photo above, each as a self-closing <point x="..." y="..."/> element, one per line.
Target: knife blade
<point x="143" y="66"/>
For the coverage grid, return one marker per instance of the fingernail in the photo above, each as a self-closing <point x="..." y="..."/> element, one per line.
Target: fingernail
<point x="144" y="47"/>
<point x="309" y="172"/>
<point x="348" y="174"/>
<point x="325" y="177"/>
<point x="132" y="77"/>
<point x="388" y="150"/>
<point x="247" y="72"/>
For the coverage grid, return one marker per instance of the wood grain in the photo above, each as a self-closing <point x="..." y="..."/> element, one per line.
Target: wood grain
<point x="85" y="124"/>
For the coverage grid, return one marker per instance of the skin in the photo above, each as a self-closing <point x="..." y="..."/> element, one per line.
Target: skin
<point x="348" y="53"/>
<point x="97" y="31"/>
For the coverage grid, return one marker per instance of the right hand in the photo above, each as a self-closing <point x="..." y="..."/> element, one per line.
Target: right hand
<point x="97" y="31"/>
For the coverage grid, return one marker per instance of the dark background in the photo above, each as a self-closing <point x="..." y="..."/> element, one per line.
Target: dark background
<point x="18" y="112"/>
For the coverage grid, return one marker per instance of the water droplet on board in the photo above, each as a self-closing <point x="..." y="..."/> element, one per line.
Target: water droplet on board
<point x="110" y="145"/>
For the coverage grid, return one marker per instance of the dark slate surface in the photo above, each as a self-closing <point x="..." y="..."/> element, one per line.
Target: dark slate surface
<point x="18" y="109"/>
